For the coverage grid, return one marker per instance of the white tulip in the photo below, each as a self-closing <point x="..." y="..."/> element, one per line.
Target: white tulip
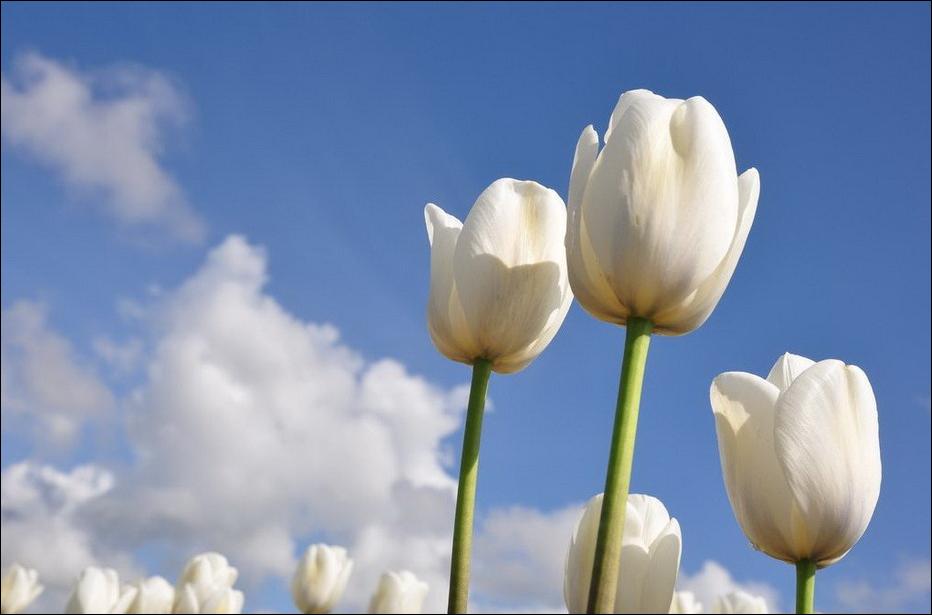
<point x="659" y="217"/>
<point x="650" y="557"/>
<point x="685" y="603"/>
<point x="208" y="599"/>
<point x="19" y="587"/>
<point x="498" y="282"/>
<point x="98" y="590"/>
<point x="800" y="456"/>
<point x="320" y="579"/>
<point x="206" y="586"/>
<point x="153" y="595"/>
<point x="399" y="592"/>
<point x="740" y="602"/>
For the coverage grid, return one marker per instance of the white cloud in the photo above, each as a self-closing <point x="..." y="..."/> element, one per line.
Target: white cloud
<point x="255" y="433"/>
<point x="910" y="588"/>
<point x="42" y="381"/>
<point x="102" y="132"/>
<point x="40" y="509"/>
<point x="713" y="580"/>
<point x="123" y="357"/>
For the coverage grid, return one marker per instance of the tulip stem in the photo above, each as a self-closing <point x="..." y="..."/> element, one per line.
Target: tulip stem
<point x="618" y="480"/>
<point x="805" y="586"/>
<point x="466" y="492"/>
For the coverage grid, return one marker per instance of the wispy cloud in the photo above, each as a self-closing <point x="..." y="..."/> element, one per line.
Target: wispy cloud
<point x="101" y="131"/>
<point x="713" y="580"/>
<point x="909" y="588"/>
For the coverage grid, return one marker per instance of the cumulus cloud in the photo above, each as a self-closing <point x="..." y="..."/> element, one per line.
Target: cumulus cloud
<point x="255" y="433"/>
<point x="909" y="588"/>
<point x="42" y="380"/>
<point x="41" y="509"/>
<point x="103" y="132"/>
<point x="713" y="580"/>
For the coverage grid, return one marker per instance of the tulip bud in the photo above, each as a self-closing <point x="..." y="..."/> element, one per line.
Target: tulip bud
<point x="208" y="599"/>
<point x="650" y="557"/>
<point x="153" y="595"/>
<point x="740" y="602"/>
<point x="498" y="282"/>
<point x="98" y="590"/>
<point x="320" y="579"/>
<point x="206" y="586"/>
<point x="685" y="603"/>
<point x="800" y="455"/>
<point x="19" y="587"/>
<point x="658" y="218"/>
<point x="399" y="592"/>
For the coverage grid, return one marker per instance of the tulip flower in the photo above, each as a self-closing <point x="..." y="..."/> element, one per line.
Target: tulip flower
<point x="208" y="599"/>
<point x="98" y="590"/>
<point x="657" y="221"/>
<point x="685" y="603"/>
<point x="398" y="592"/>
<point x="498" y="294"/>
<point x="800" y="456"/>
<point x="320" y="578"/>
<point x="19" y="587"/>
<point x="650" y="558"/>
<point x="153" y="595"/>
<point x="206" y="586"/>
<point x="740" y="602"/>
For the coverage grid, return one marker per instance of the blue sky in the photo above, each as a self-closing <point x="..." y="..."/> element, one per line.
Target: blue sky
<point x="319" y="133"/>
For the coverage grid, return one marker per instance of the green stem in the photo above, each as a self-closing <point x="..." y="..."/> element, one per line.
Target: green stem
<point x="805" y="586"/>
<point x="611" y="525"/>
<point x="466" y="492"/>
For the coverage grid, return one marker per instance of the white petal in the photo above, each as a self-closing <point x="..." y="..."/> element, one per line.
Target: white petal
<point x="445" y="320"/>
<point x="510" y="267"/>
<point x="664" y="569"/>
<point x="743" y="405"/>
<point x="580" y="557"/>
<point x="661" y="205"/>
<point x="787" y="368"/>
<point x="695" y="309"/>
<point x="828" y="445"/>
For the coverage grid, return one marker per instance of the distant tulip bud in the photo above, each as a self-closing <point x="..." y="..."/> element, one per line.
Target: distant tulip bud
<point x="650" y="557"/>
<point x="685" y="603"/>
<point x="320" y="578"/>
<point x="740" y="602"/>
<point x="399" y="592"/>
<point x="98" y="590"/>
<point x="19" y="587"/>
<point x="206" y="586"/>
<point x="153" y="595"/>
<point x="498" y="281"/>
<point x="800" y="455"/>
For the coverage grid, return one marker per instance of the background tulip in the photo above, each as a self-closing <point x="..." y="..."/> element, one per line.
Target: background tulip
<point x="658" y="218"/>
<point x="650" y="557"/>
<point x="153" y="595"/>
<point x="320" y="578"/>
<point x="98" y="590"/>
<point x="206" y="586"/>
<point x="685" y="603"/>
<point x="498" y="282"/>
<point x="800" y="455"/>
<point x="399" y="592"/>
<point x="740" y="602"/>
<point x="18" y="588"/>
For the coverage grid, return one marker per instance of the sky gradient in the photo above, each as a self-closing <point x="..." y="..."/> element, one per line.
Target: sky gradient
<point x="256" y="188"/>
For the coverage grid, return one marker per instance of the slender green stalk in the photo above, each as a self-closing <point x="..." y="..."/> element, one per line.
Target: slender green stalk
<point x="617" y="482"/>
<point x="805" y="586"/>
<point x="466" y="492"/>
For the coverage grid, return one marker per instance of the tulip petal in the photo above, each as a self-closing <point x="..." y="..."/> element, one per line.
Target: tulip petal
<point x="694" y="311"/>
<point x="661" y="206"/>
<point x="743" y="405"/>
<point x="787" y="368"/>
<point x="509" y="268"/>
<point x="827" y="442"/>
<point x="579" y="559"/>
<point x="663" y="571"/>
<point x="445" y="320"/>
